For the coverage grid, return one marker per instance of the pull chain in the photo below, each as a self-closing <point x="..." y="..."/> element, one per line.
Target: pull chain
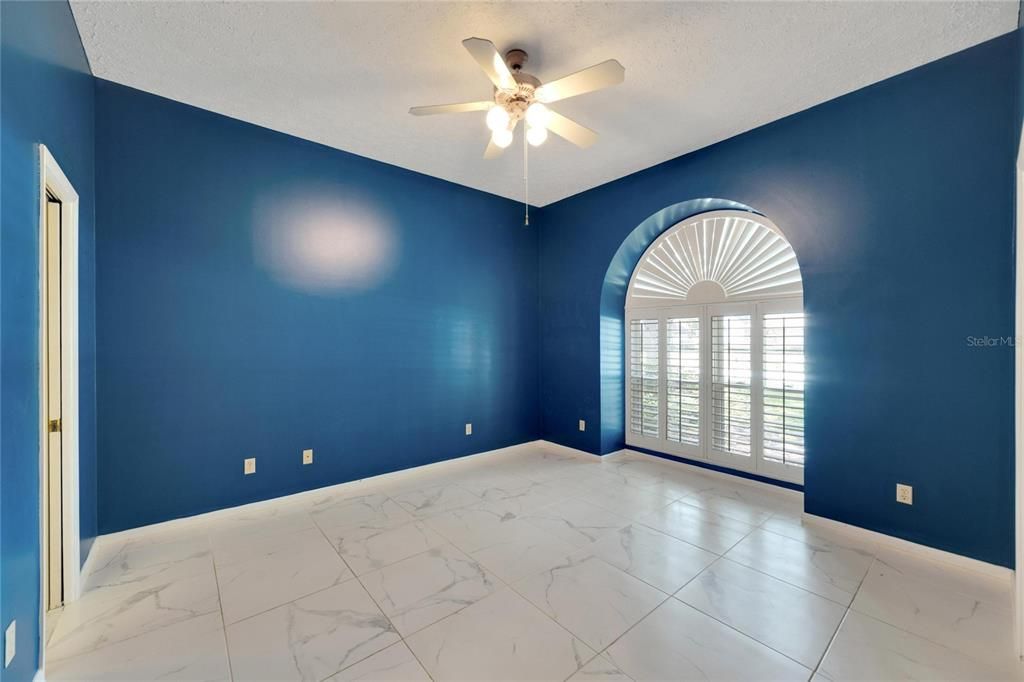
<point x="526" y="180"/>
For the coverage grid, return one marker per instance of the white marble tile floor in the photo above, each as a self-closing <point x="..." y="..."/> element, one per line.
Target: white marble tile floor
<point x="532" y="563"/>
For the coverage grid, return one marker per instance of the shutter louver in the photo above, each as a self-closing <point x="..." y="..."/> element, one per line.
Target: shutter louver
<point x="730" y="384"/>
<point x="643" y="377"/>
<point x="682" y="360"/>
<point x="783" y="371"/>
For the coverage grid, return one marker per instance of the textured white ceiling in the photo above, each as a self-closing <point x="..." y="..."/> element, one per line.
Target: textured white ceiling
<point x="344" y="74"/>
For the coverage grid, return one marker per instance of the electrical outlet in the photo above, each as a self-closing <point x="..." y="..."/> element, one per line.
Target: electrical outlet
<point x="250" y="466"/>
<point x="10" y="642"/>
<point x="307" y="456"/>
<point x="904" y="493"/>
<point x="469" y="429"/>
<point x="583" y="425"/>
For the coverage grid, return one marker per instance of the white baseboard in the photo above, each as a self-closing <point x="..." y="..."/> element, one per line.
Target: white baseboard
<point x="40" y="676"/>
<point x="454" y="463"/>
<point x="713" y="473"/>
<point x="564" y="448"/>
<point x="991" y="571"/>
<point x="86" y="570"/>
<point x="1000" y="574"/>
<point x="721" y="475"/>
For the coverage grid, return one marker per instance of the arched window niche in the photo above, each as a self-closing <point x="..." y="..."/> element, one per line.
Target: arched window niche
<point x="714" y="346"/>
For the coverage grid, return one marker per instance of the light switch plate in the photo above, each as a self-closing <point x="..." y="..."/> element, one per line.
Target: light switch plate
<point x="250" y="466"/>
<point x="904" y="493"/>
<point x="307" y="456"/>
<point x="583" y="425"/>
<point x="10" y="642"/>
<point x="469" y="429"/>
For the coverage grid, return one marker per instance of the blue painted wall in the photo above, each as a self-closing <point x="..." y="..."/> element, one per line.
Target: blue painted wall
<point x="46" y="96"/>
<point x="215" y="346"/>
<point x="898" y="200"/>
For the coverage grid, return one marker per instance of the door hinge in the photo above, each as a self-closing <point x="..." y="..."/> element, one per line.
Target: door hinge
<point x="54" y="426"/>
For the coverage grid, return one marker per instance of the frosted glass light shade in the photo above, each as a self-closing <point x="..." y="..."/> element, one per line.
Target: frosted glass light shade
<point x="536" y="135"/>
<point x="502" y="138"/>
<point x="497" y="118"/>
<point x="538" y="115"/>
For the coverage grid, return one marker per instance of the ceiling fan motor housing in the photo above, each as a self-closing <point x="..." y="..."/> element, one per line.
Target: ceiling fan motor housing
<point x="517" y="101"/>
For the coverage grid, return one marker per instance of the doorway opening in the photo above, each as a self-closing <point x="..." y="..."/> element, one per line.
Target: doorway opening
<point x="58" y="389"/>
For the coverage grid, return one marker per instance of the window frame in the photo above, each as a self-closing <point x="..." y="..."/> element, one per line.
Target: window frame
<point x="754" y="463"/>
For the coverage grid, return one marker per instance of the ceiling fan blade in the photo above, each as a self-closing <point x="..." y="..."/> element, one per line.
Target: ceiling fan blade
<point x="493" y="151"/>
<point x="450" y="108"/>
<point x="598" y="76"/>
<point x="486" y="55"/>
<point x="571" y="130"/>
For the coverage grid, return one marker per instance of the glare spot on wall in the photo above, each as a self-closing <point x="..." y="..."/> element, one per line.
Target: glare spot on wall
<point x="324" y="243"/>
<point x="469" y="345"/>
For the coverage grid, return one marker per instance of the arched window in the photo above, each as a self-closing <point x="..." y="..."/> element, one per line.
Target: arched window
<point x="715" y="346"/>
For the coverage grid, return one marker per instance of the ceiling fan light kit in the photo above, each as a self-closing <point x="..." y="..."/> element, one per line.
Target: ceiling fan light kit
<point x="520" y="96"/>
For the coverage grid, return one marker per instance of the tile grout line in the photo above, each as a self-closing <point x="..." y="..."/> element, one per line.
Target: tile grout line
<point x="958" y="652"/>
<point x="662" y="603"/>
<point x="139" y="635"/>
<point x="792" y="584"/>
<point x="731" y="627"/>
<point x="220" y="605"/>
<point x="504" y="582"/>
<point x="512" y="588"/>
<point x="831" y="641"/>
<point x="576" y="637"/>
<point x="846" y="615"/>
<point x="735" y="628"/>
<point x="355" y="576"/>
<point x="303" y="596"/>
<point x="473" y="559"/>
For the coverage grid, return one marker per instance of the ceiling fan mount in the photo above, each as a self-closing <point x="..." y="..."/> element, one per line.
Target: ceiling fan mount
<point x="516" y="59"/>
<point x="520" y="96"/>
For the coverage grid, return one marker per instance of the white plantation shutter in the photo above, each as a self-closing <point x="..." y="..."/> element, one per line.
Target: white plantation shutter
<point x="715" y="346"/>
<point x="730" y="384"/>
<point x="644" y="371"/>
<point x="682" y="379"/>
<point x="782" y="438"/>
<point x="739" y="252"/>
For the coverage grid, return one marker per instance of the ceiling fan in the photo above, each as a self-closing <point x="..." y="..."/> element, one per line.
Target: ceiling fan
<point x="520" y="96"/>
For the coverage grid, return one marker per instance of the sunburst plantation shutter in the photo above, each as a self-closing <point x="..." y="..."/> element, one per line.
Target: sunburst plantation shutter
<point x="682" y="363"/>
<point x="643" y="377"/>
<point x="783" y="371"/>
<point x="730" y="384"/>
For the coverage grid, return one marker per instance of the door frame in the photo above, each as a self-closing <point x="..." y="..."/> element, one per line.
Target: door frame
<point x="1018" y="390"/>
<point x="53" y="179"/>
